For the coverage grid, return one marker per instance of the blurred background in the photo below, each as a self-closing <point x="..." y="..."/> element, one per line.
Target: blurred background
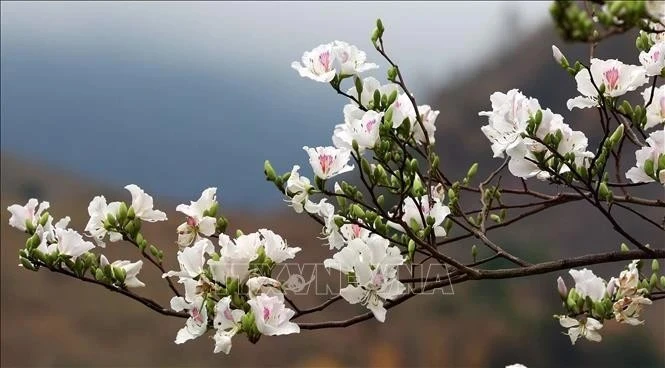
<point x="179" y="96"/>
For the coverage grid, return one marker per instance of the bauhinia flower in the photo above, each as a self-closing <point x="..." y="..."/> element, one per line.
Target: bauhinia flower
<point x="369" y="85"/>
<point x="558" y="56"/>
<point x="68" y="242"/>
<point x="587" y="328"/>
<point x="330" y="229"/>
<point x="192" y="260"/>
<point x="616" y="77"/>
<point x="197" y="323"/>
<point x="508" y="119"/>
<point x="264" y="285"/>
<point x="650" y="165"/>
<point x="374" y="264"/>
<point x="328" y="162"/>
<point x="98" y="211"/>
<point x="276" y="248"/>
<point x="271" y="316"/>
<point x="656" y="106"/>
<point x="588" y="284"/>
<point x="414" y="211"/>
<point x="227" y="323"/>
<point x="131" y="270"/>
<point x="325" y="61"/>
<point x="235" y="257"/>
<point x="298" y="187"/>
<point x="628" y="281"/>
<point x="428" y="117"/>
<point x="26" y="215"/>
<point x="627" y="309"/>
<point x="654" y="60"/>
<point x="199" y="220"/>
<point x="142" y="205"/>
<point x="362" y="127"/>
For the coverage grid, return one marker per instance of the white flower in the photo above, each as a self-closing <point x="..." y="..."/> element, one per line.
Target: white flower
<point x="299" y="187"/>
<point x="271" y="316"/>
<point x="653" y="152"/>
<point x="587" y="328"/>
<point x="402" y="109"/>
<point x="47" y="233"/>
<point x="654" y="60"/>
<point x="325" y="61"/>
<point x="317" y="64"/>
<point x="276" y="248"/>
<point x="617" y="77"/>
<point x="354" y="231"/>
<point x="508" y="119"/>
<point x="264" y="285"/>
<point x="627" y="309"/>
<point x="67" y="241"/>
<point x="191" y="260"/>
<point x="656" y="110"/>
<point x="328" y="162"/>
<point x="374" y="264"/>
<point x="21" y="215"/>
<point x="588" y="284"/>
<point x="363" y="128"/>
<point x="197" y="222"/>
<point x="131" y="270"/>
<point x="99" y="211"/>
<point x="351" y="60"/>
<point x="330" y="230"/>
<point x="235" y="257"/>
<point x="142" y="205"/>
<point x="628" y="280"/>
<point x="227" y="323"/>
<point x="371" y="84"/>
<point x="197" y="323"/>
<point x="414" y="211"/>
<point x="428" y="117"/>
<point x="523" y="153"/>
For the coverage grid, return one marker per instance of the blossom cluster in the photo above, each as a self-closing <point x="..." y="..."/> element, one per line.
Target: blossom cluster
<point x="593" y="300"/>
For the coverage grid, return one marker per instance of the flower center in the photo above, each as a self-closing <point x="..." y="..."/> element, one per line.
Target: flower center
<point x="356" y="230"/>
<point x="191" y="221"/>
<point x="369" y="125"/>
<point x="325" y="161"/>
<point x="656" y="56"/>
<point x="266" y="313"/>
<point x="612" y="77"/>
<point x="196" y="315"/>
<point x="228" y="315"/>
<point x="324" y="60"/>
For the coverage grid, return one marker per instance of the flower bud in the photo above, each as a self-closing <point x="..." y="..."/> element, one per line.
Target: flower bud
<point x="131" y="214"/>
<point x="392" y="74"/>
<point x="44" y="218"/>
<point x="472" y="171"/>
<point x="617" y="135"/>
<point x="122" y="213"/>
<point x="655" y="266"/>
<point x="559" y="57"/>
<point x="624" y="247"/>
<point x="474" y="252"/>
<point x="269" y="171"/>
<point x="611" y="286"/>
<point x="561" y="287"/>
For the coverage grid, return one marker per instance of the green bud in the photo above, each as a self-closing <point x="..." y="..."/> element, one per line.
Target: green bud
<point x="380" y="200"/>
<point x="359" y="85"/>
<point x="392" y="97"/>
<point x="496" y="218"/>
<point x="27" y="264"/>
<point x="604" y="192"/>
<point x="375" y="36"/>
<point x="653" y="281"/>
<point x="119" y="274"/>
<point x="392" y="74"/>
<point x="662" y="281"/>
<point x="472" y="171"/>
<point x="269" y="171"/>
<point x="122" y="213"/>
<point x="411" y="248"/>
<point x="357" y="211"/>
<point x="617" y="135"/>
<point x="99" y="275"/>
<point x="222" y="223"/>
<point x="571" y="300"/>
<point x="661" y="162"/>
<point x="388" y="116"/>
<point x="29" y="227"/>
<point x="131" y="214"/>
<point x="379" y="25"/>
<point x="44" y="218"/>
<point x="367" y="169"/>
<point x="655" y="266"/>
<point x="624" y="247"/>
<point x="447" y="225"/>
<point x="377" y="98"/>
<point x="474" y="252"/>
<point x="339" y="221"/>
<point x="648" y="168"/>
<point x="153" y="250"/>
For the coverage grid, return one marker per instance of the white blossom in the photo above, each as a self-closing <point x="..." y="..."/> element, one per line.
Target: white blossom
<point x="652" y="153"/>
<point x="272" y="317"/>
<point x="197" y="323"/>
<point x="298" y="186"/>
<point x="21" y="215"/>
<point x="328" y="162"/>
<point x="192" y="260"/>
<point x="131" y="269"/>
<point x="98" y="211"/>
<point x="142" y="205"/>
<point x="68" y="242"/>
<point x="325" y="61"/>
<point x="588" y="284"/>
<point x="428" y="117"/>
<point x="627" y="309"/>
<point x="415" y="210"/>
<point x="363" y="127"/>
<point x="227" y="323"/>
<point x="653" y="61"/>
<point x="235" y="257"/>
<point x="617" y="78"/>
<point x="276" y="248"/>
<point x="197" y="223"/>
<point x="587" y="328"/>
<point x="656" y="109"/>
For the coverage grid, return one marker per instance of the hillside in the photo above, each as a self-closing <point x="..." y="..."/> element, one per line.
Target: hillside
<point x="48" y="320"/>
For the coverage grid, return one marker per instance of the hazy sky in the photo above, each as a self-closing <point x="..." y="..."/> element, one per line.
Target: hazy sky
<point x="430" y="39"/>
